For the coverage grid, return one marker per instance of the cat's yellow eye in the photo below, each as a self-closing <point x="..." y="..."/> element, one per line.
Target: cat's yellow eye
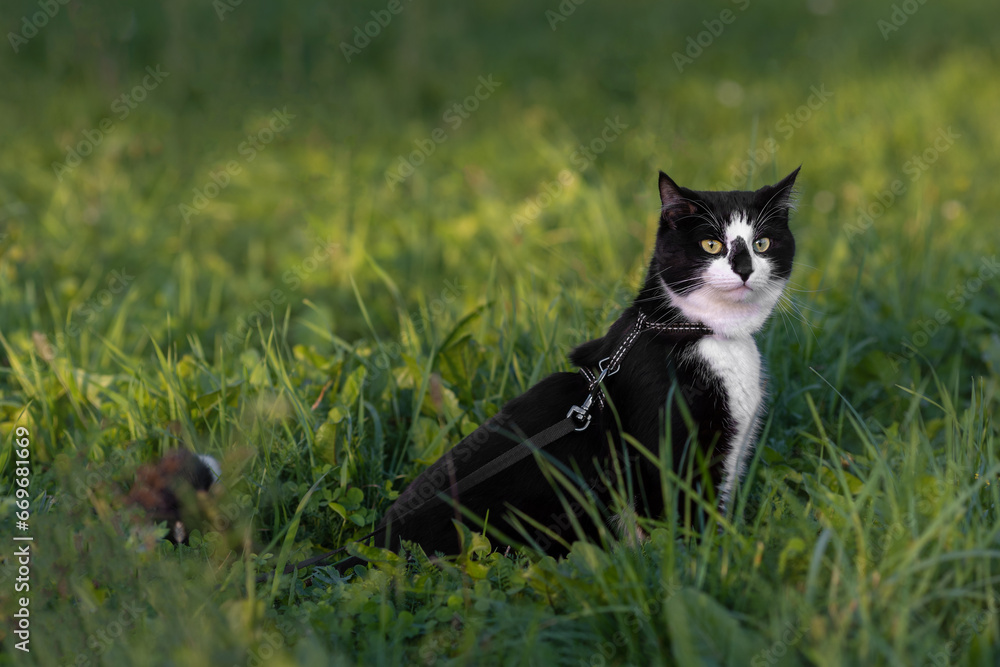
<point x="711" y="246"/>
<point x="762" y="244"/>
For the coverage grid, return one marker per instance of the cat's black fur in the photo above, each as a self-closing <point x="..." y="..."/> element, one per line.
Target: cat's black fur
<point x="657" y="364"/>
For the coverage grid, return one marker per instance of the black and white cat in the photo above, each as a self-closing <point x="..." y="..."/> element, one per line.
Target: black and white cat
<point x="721" y="262"/>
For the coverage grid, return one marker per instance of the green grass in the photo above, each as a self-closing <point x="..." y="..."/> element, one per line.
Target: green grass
<point x="394" y="320"/>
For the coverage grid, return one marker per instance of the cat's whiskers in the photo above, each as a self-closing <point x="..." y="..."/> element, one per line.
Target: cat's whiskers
<point x="791" y="308"/>
<point x="694" y="284"/>
<point x="802" y="264"/>
<point x="795" y="287"/>
<point x="800" y="305"/>
<point x="782" y="304"/>
<point x="799" y="290"/>
<point x="786" y="321"/>
<point x="664" y="299"/>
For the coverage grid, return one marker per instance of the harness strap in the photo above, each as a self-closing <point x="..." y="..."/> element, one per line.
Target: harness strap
<point x="591" y="383"/>
<point x="612" y="364"/>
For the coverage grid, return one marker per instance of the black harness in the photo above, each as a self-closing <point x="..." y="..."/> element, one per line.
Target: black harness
<point x="579" y="416"/>
<point x="577" y="419"/>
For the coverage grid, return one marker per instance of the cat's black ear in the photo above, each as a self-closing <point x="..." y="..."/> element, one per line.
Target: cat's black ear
<point x="782" y="193"/>
<point x="675" y="204"/>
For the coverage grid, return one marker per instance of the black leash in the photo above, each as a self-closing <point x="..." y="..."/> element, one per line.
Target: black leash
<point x="579" y="416"/>
<point x="577" y="419"/>
<point x="500" y="463"/>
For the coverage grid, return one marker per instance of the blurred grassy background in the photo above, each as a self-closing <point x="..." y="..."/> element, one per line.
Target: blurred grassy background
<point x="325" y="176"/>
<point x="123" y="324"/>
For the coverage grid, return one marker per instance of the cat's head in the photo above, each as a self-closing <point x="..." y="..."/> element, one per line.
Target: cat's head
<point x="723" y="258"/>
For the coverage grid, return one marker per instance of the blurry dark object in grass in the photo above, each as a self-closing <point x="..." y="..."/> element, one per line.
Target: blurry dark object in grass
<point x="173" y="489"/>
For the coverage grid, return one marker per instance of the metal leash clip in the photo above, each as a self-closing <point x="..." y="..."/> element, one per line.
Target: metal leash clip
<point x="578" y="412"/>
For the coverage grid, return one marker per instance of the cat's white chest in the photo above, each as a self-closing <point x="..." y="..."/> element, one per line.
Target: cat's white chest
<point x="735" y="362"/>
